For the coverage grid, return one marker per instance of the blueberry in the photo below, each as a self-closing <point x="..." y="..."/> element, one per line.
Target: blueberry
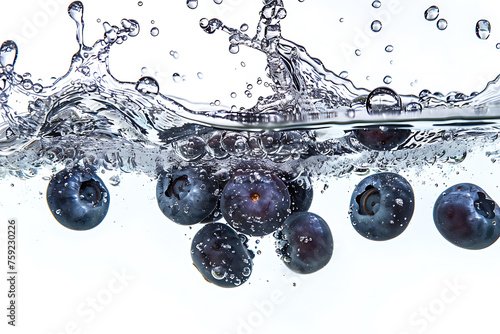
<point x="255" y="203"/>
<point x="305" y="242"/>
<point x="382" y="206"/>
<point x="78" y="198"/>
<point x="467" y="217"/>
<point x="381" y="140"/>
<point x="187" y="196"/>
<point x="301" y="193"/>
<point x="221" y="256"/>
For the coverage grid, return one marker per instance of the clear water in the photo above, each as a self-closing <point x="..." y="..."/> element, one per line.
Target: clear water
<point x="300" y="116"/>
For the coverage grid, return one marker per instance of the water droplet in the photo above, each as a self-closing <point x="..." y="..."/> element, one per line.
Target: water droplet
<point x="414" y="107"/>
<point x="154" y="31"/>
<point x="203" y="23"/>
<point x="357" y="52"/>
<point x="442" y="24"/>
<point x="192" y="4"/>
<point x="234" y="48"/>
<point x="152" y="21"/>
<point x="114" y="180"/>
<point x="383" y="100"/>
<point x="8" y="53"/>
<point x="199" y="75"/>
<point x="247" y="271"/>
<point x="219" y="272"/>
<point x="431" y="13"/>
<point x="140" y="3"/>
<point x="243" y="64"/>
<point x="174" y="54"/>
<point x="233" y="95"/>
<point x="376" y="26"/>
<point x="376" y="4"/>
<point x="498" y="46"/>
<point x="98" y="20"/>
<point x="176" y="77"/>
<point x="387" y="79"/>
<point x="244" y="27"/>
<point x="37" y="88"/>
<point x="483" y="29"/>
<point x="389" y="48"/>
<point x="343" y="74"/>
<point x="341" y="20"/>
<point x="218" y="1"/>
<point x="147" y="85"/>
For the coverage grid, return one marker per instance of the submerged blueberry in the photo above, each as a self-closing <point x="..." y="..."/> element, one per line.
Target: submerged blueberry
<point x="381" y="140"/>
<point x="382" y="206"/>
<point x="221" y="256"/>
<point x="187" y="196"/>
<point x="78" y="198"/>
<point x="255" y="203"/>
<point x="305" y="242"/>
<point x="467" y="217"/>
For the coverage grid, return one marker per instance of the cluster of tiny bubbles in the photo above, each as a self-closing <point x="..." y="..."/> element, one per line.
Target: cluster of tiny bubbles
<point x="174" y="54"/>
<point x="154" y="31"/>
<point x="483" y="29"/>
<point x="192" y="4"/>
<point x="376" y="4"/>
<point x="376" y="26"/>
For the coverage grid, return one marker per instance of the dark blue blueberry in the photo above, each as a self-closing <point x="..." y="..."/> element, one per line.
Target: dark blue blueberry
<point x="221" y="255"/>
<point x="187" y="196"/>
<point x="382" y="206"/>
<point x="255" y="203"/>
<point x="467" y="217"/>
<point x="301" y="193"/>
<point x="78" y="198"/>
<point x="381" y="140"/>
<point x="305" y="242"/>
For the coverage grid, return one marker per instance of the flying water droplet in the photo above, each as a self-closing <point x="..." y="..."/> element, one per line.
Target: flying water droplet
<point x="383" y="100"/>
<point x="387" y="79"/>
<point x="357" y="52"/>
<point x="442" y="24"/>
<point x="389" y="48"/>
<point x="147" y="85"/>
<point x="431" y="13"/>
<point x="218" y="1"/>
<point x="234" y="48"/>
<point x="8" y="53"/>
<point x="192" y="4"/>
<point x="376" y="26"/>
<point x="140" y="3"/>
<point x="174" y="54"/>
<point x="376" y="4"/>
<point x="176" y="77"/>
<point x="343" y="74"/>
<point x="483" y="29"/>
<point x="244" y="27"/>
<point x="199" y="75"/>
<point x="154" y="31"/>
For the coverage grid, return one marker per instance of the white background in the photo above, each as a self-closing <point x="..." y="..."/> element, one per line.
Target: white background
<point x="394" y="287"/>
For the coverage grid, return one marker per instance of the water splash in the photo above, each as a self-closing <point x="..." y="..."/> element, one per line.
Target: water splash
<point x="87" y="116"/>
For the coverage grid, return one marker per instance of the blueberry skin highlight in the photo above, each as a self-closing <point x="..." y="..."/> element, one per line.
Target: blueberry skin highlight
<point x="78" y="198"/>
<point x="467" y="217"/>
<point x="187" y="196"/>
<point x="382" y="206"/>
<point x="305" y="242"/>
<point x="221" y="256"/>
<point x="255" y="203"/>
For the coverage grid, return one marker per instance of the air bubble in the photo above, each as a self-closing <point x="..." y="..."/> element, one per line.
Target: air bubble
<point x="357" y="52"/>
<point x="244" y="27"/>
<point x="176" y="77"/>
<point x="442" y="24"/>
<point x="234" y="48"/>
<point x="233" y="95"/>
<point x="431" y="13"/>
<point x="341" y="20"/>
<point x="218" y="2"/>
<point x="387" y="79"/>
<point x="376" y="26"/>
<point x="147" y="85"/>
<point x="200" y="75"/>
<point x="219" y="272"/>
<point x="343" y="74"/>
<point x="114" y="180"/>
<point x="413" y="107"/>
<point x="140" y="3"/>
<point x="376" y="4"/>
<point x="8" y="53"/>
<point x="174" y="54"/>
<point x="383" y="100"/>
<point x="483" y="29"/>
<point x="389" y="48"/>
